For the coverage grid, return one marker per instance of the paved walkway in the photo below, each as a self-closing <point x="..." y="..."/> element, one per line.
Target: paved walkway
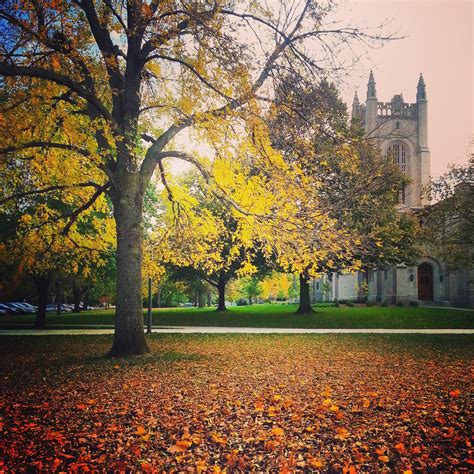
<point x="228" y="330"/>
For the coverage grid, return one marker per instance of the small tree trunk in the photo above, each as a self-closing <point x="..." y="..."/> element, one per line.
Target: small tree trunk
<point x="201" y="303"/>
<point x="209" y="298"/>
<point x="59" y="296"/>
<point x="42" y="287"/>
<point x="221" y="292"/>
<point x="129" y="336"/>
<point x="305" y="300"/>
<point x="77" y="295"/>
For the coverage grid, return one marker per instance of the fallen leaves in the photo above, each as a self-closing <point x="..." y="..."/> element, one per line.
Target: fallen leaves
<point x="229" y="404"/>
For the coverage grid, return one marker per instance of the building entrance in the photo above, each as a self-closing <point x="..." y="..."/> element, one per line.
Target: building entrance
<point x="425" y="282"/>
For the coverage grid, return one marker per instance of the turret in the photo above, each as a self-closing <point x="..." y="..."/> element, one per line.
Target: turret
<point x="371" y="91"/>
<point x="371" y="105"/>
<point x="423" y="150"/>
<point x="355" y="107"/>
<point x="421" y="89"/>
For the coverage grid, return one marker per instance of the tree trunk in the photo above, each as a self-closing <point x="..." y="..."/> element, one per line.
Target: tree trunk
<point x="59" y="296"/>
<point x="129" y="336"/>
<point x="42" y="286"/>
<point x="305" y="300"/>
<point x="209" y="298"/>
<point x="221" y="298"/>
<point x="77" y="296"/>
<point x="201" y="303"/>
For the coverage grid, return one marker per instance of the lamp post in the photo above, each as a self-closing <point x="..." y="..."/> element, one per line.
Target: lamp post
<point x="148" y="329"/>
<point x="149" y="319"/>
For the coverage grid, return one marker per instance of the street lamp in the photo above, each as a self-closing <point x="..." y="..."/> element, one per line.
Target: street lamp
<point x="149" y="319"/>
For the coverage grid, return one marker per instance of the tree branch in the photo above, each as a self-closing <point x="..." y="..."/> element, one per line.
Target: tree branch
<point x="11" y="70"/>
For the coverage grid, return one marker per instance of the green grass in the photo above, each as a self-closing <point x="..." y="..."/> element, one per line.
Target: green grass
<point x="277" y="316"/>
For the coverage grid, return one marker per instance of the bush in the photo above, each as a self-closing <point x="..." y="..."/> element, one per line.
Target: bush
<point x="414" y="303"/>
<point x="336" y="304"/>
<point x="384" y="303"/>
<point x="368" y="304"/>
<point x="350" y="304"/>
<point x="400" y="304"/>
<point x="242" y="302"/>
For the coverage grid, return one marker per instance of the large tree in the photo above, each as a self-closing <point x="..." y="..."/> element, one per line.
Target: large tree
<point x="356" y="186"/>
<point x="139" y="73"/>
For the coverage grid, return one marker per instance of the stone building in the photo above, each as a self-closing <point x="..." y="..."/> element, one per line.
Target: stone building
<point x="401" y="131"/>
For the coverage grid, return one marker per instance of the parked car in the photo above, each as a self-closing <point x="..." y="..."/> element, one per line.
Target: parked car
<point x="18" y="308"/>
<point x="8" y="309"/>
<point x="29" y="308"/>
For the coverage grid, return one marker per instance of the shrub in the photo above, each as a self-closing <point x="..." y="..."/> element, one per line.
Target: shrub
<point x="414" y="303"/>
<point x="242" y="302"/>
<point x="350" y="304"/>
<point x="336" y="304"/>
<point x="399" y="303"/>
<point x="384" y="303"/>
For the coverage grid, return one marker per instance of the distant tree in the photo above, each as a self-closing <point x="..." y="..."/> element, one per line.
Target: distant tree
<point x="251" y="288"/>
<point x="449" y="222"/>
<point x="207" y="242"/>
<point x="356" y="187"/>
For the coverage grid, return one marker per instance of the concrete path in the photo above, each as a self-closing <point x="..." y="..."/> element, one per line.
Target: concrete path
<point x="228" y="330"/>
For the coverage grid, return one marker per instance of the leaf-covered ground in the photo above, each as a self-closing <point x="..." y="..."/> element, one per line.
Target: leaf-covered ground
<point x="238" y="403"/>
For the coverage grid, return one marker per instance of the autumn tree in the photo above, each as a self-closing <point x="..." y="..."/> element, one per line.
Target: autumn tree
<point x="449" y="222"/>
<point x="356" y="187"/>
<point x="204" y="240"/>
<point x="139" y="73"/>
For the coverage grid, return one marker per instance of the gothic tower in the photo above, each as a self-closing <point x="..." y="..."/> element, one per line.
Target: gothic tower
<point x="400" y="129"/>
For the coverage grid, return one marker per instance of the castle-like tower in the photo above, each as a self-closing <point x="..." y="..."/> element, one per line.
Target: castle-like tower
<point x="400" y="130"/>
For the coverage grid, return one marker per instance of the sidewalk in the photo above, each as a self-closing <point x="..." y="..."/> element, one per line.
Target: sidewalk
<point x="227" y="330"/>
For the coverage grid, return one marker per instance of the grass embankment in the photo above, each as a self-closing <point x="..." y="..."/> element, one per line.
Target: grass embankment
<point x="240" y="403"/>
<point x="277" y="316"/>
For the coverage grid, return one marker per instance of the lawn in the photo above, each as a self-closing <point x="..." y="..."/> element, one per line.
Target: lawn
<point x="278" y="316"/>
<point x="204" y="403"/>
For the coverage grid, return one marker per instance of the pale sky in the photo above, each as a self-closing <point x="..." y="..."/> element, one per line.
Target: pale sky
<point x="439" y="43"/>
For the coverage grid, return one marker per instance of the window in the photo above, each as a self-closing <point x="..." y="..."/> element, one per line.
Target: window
<point x="398" y="153"/>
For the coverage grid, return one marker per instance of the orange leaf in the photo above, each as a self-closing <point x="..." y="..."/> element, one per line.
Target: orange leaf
<point x="380" y="450"/>
<point x="384" y="458"/>
<point x="140" y="430"/>
<point x="180" y="446"/>
<point x="400" y="447"/>
<point x="455" y="393"/>
<point x="342" y="433"/>
<point x="366" y="403"/>
<point x="315" y="463"/>
<point x="278" y="431"/>
<point x="218" y="439"/>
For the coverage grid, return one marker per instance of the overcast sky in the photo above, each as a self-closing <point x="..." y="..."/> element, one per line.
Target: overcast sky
<point x="438" y="43"/>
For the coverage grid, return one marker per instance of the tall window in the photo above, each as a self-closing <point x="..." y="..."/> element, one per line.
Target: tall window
<point x="398" y="153"/>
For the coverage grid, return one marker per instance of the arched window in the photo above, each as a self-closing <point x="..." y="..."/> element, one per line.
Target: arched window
<point x="398" y="153"/>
